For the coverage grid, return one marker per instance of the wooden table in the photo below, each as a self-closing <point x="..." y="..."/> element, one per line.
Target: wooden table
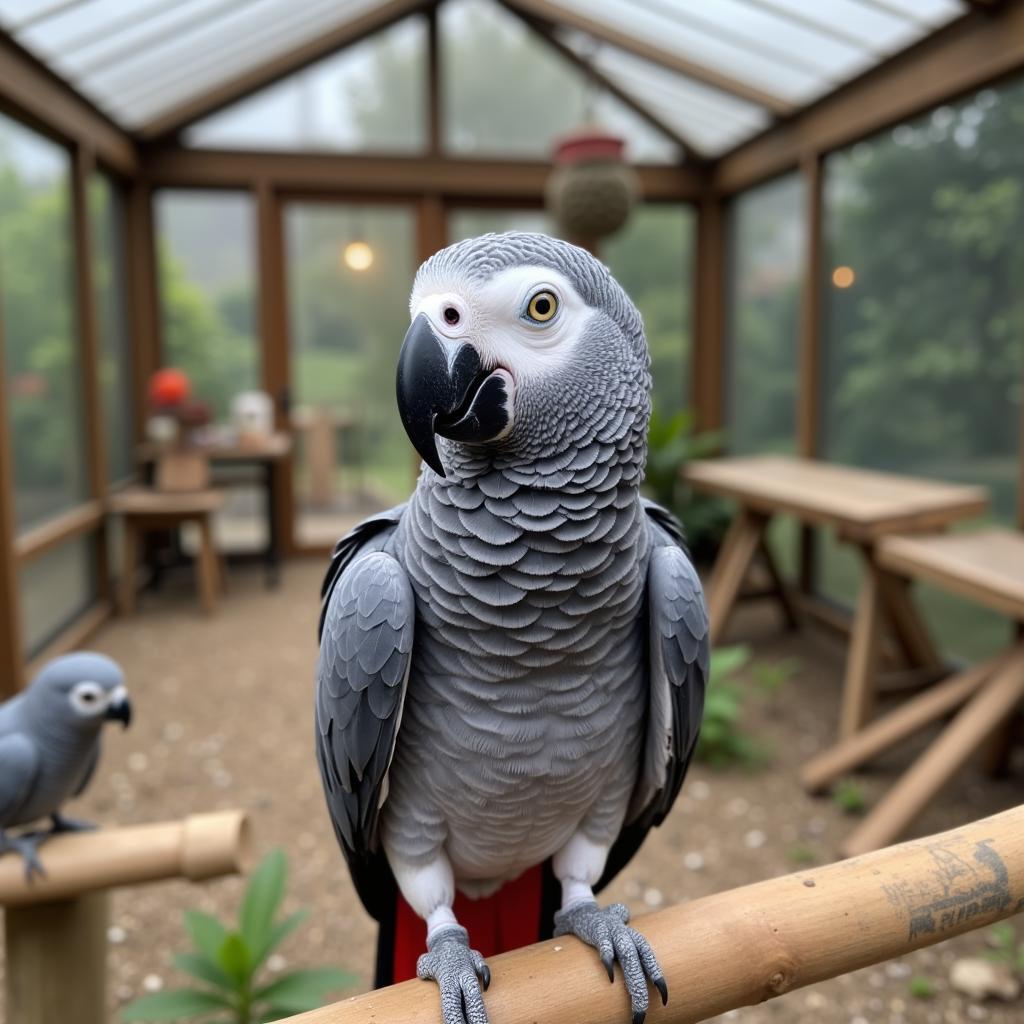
<point x="268" y="455"/>
<point x="863" y="506"/>
<point x="986" y="567"/>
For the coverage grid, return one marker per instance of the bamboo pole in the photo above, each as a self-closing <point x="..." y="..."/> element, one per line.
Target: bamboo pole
<point x="742" y="947"/>
<point x="199" y="847"/>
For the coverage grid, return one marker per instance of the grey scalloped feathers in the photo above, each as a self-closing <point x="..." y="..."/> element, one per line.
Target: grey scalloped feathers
<point x="50" y="745"/>
<point x="513" y="663"/>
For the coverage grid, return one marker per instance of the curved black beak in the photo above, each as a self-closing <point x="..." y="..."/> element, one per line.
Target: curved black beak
<point x="120" y="711"/>
<point x="431" y="393"/>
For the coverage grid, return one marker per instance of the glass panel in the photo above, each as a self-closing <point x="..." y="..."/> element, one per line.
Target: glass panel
<point x="37" y="300"/>
<point x="349" y="272"/>
<point x="468" y="223"/>
<point x="652" y="258"/>
<point x="108" y="277"/>
<point x="55" y="589"/>
<point x="207" y="248"/>
<point x="923" y="325"/>
<point x="370" y="96"/>
<point x="766" y="241"/>
<point x="484" y="50"/>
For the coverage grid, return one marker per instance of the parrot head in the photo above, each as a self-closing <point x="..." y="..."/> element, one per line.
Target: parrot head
<point x="83" y="690"/>
<point x="520" y="343"/>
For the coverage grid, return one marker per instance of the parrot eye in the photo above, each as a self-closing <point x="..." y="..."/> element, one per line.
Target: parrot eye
<point x="86" y="696"/>
<point x="451" y="315"/>
<point x="542" y="307"/>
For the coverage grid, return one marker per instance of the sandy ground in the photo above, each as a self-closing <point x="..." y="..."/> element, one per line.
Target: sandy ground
<point x="223" y="719"/>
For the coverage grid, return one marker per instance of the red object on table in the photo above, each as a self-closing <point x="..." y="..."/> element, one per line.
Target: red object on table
<point x="169" y="388"/>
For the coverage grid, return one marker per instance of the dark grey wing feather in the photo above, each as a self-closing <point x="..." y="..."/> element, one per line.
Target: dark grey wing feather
<point x="679" y="656"/>
<point x="19" y="768"/>
<point x="362" y="674"/>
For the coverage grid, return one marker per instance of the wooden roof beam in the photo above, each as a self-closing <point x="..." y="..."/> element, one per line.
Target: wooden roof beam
<point x="554" y="13"/>
<point x="30" y="90"/>
<point x="970" y="53"/>
<point x="396" y="177"/>
<point x="545" y="31"/>
<point x="378" y="17"/>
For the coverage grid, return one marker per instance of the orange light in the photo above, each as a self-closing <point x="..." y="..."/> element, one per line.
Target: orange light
<point x="358" y="256"/>
<point x="843" y="277"/>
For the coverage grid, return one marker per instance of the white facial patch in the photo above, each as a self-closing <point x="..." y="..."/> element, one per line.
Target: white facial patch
<point x="525" y="319"/>
<point x="88" y="698"/>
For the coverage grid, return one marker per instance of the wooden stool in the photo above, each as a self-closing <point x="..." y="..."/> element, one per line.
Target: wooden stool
<point x="144" y="509"/>
<point x="986" y="567"/>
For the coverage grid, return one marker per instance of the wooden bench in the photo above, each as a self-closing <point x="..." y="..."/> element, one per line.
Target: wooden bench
<point x="181" y="495"/>
<point x="986" y="567"/>
<point x="863" y="506"/>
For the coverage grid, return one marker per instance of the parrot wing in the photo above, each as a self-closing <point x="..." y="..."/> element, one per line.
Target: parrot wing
<point x="19" y="767"/>
<point x="362" y="674"/>
<point x="678" y="659"/>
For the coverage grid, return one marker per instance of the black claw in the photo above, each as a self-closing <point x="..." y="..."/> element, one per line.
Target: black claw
<point x="485" y="977"/>
<point x="659" y="984"/>
<point x="638" y="1016"/>
<point x="609" y="962"/>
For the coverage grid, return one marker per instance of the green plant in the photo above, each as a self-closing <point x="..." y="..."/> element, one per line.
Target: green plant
<point x="1005" y="947"/>
<point x="849" y="797"/>
<point x="723" y="743"/>
<point x="228" y="963"/>
<point x="770" y="678"/>
<point x="672" y="442"/>
<point x="922" y="987"/>
<point x="800" y="854"/>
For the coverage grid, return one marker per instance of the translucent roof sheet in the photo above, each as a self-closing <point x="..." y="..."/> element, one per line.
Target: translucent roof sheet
<point x="712" y="72"/>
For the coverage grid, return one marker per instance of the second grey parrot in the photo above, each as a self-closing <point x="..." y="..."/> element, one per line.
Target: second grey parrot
<point x="513" y="664"/>
<point x="50" y="745"/>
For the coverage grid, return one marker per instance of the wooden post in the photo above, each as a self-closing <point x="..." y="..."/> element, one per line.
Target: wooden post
<point x="11" y="667"/>
<point x="809" y="382"/>
<point x="706" y="386"/>
<point x="742" y="947"/>
<point x="57" y="962"/>
<point x="56" y="926"/>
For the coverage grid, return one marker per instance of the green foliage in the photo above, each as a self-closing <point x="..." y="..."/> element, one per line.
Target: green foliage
<point x="801" y="855"/>
<point x="1005" y="948"/>
<point x="921" y="987"/>
<point x="228" y="962"/>
<point x="672" y="442"/>
<point x="723" y="743"/>
<point x="849" y="797"/>
<point x="771" y="677"/>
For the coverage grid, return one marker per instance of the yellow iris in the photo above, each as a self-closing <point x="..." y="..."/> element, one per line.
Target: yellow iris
<point x="543" y="306"/>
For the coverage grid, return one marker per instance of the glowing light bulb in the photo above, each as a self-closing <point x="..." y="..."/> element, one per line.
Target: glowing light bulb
<point x="843" y="277"/>
<point x="358" y="256"/>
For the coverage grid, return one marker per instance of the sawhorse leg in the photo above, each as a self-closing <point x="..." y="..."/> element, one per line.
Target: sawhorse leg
<point x="738" y="549"/>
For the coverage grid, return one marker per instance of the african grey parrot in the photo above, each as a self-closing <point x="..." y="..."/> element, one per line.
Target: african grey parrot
<point x="513" y="664"/>
<point x="50" y="744"/>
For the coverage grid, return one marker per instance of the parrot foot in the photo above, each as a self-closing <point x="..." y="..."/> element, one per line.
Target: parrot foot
<point x="27" y="846"/>
<point x="607" y="930"/>
<point x="62" y="824"/>
<point x="456" y="968"/>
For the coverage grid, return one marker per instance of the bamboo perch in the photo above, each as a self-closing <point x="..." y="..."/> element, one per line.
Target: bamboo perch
<point x="199" y="847"/>
<point x="55" y="927"/>
<point x="742" y="947"/>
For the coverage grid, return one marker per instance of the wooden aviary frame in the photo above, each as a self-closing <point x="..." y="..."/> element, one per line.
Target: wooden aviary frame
<point x="978" y="49"/>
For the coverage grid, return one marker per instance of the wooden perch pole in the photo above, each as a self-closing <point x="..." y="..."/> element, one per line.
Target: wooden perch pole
<point x="55" y="927"/>
<point x="742" y="947"/>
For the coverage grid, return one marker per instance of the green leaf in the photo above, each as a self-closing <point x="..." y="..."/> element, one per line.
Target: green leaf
<point x="279" y="933"/>
<point x="303" y="990"/>
<point x="234" y="959"/>
<point x="263" y="897"/>
<point x="206" y="932"/>
<point x="203" y="968"/>
<point x="176" y="1004"/>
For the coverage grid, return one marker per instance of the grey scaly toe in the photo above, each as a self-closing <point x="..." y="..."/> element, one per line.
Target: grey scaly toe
<point x="607" y="930"/>
<point x="458" y="971"/>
